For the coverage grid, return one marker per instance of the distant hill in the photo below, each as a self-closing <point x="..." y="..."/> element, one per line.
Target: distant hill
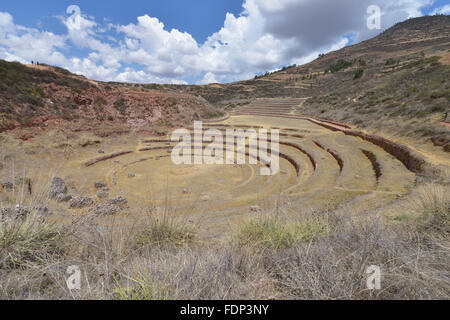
<point x="40" y="96"/>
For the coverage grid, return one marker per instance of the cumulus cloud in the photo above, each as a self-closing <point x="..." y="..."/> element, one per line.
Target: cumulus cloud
<point x="266" y="35"/>
<point x="208" y="78"/>
<point x="24" y="44"/>
<point x="442" y="10"/>
<point x="314" y="25"/>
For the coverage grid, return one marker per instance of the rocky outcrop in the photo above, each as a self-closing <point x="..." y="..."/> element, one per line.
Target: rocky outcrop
<point x="118" y="201"/>
<point x="102" y="194"/>
<point x="57" y="187"/>
<point x="63" y="197"/>
<point x="106" y="209"/>
<point x="80" y="202"/>
<point x="111" y="207"/>
<point x="100" y="184"/>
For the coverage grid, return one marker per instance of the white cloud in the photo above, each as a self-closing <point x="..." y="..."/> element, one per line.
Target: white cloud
<point x="442" y="10"/>
<point x="24" y="44"/>
<point x="267" y="34"/>
<point x="208" y="78"/>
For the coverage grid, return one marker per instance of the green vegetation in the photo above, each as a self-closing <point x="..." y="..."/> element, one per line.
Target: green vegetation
<point x="62" y="71"/>
<point x="212" y="114"/>
<point x="121" y="105"/>
<point x="433" y="206"/>
<point x="28" y="240"/>
<point x="418" y="89"/>
<point x="341" y="64"/>
<point x="391" y="62"/>
<point x="22" y="86"/>
<point x="274" y="72"/>
<point x="162" y="230"/>
<point x="32" y="96"/>
<point x="143" y="289"/>
<point x="100" y="101"/>
<point x="270" y="233"/>
<point x="359" y="73"/>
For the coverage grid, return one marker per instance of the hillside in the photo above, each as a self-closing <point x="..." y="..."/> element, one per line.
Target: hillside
<point x="32" y="96"/>
<point x="397" y="82"/>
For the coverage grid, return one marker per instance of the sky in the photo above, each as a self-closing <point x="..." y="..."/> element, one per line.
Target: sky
<point x="190" y="42"/>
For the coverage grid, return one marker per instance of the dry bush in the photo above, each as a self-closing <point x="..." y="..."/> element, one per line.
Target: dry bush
<point x="310" y="255"/>
<point x="28" y="240"/>
<point x="205" y="272"/>
<point x="159" y="229"/>
<point x="331" y="266"/>
<point x="433" y="205"/>
<point x="334" y="266"/>
<point x="274" y="232"/>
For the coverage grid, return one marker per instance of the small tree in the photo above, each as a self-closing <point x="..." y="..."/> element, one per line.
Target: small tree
<point x="390" y="62"/>
<point x="359" y="73"/>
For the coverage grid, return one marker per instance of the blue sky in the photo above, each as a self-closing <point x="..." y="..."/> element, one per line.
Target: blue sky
<point x="200" y="18"/>
<point x="199" y="41"/>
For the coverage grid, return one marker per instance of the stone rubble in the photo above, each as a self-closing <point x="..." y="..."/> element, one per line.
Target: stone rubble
<point x="57" y="187"/>
<point x="81" y="202"/>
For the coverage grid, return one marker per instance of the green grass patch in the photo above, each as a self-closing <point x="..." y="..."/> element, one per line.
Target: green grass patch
<point x="143" y="289"/>
<point x="341" y="64"/>
<point x="24" y="241"/>
<point x="271" y="234"/>
<point x="433" y="205"/>
<point x="100" y="101"/>
<point x="391" y="62"/>
<point x="162" y="229"/>
<point x="359" y="73"/>
<point x="211" y="114"/>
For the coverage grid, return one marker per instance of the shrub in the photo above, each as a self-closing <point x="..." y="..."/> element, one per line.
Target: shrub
<point x="359" y="73"/>
<point x="143" y="289"/>
<point x="76" y="90"/>
<point x="31" y="99"/>
<point x="433" y="205"/>
<point x="63" y="71"/>
<point x="340" y="65"/>
<point x="267" y="232"/>
<point x="161" y="229"/>
<point x="100" y="101"/>
<point x="390" y="62"/>
<point x="212" y="114"/>
<point x="334" y="267"/>
<point x="120" y="105"/>
<point x="28" y="240"/>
